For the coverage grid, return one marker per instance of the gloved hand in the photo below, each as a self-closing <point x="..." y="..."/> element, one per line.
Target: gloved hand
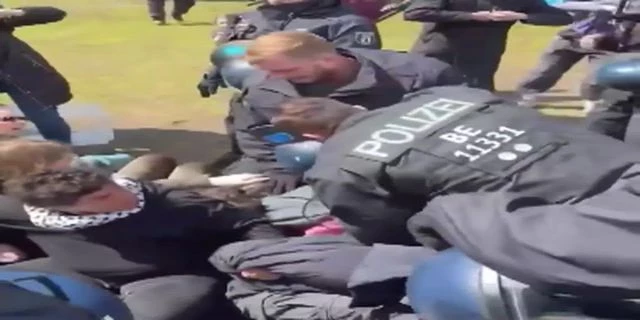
<point x="209" y="84"/>
<point x="281" y="182"/>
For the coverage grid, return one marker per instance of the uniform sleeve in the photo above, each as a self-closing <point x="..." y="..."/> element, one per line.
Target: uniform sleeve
<point x="566" y="248"/>
<point x="356" y="33"/>
<point x="34" y="16"/>
<point x="258" y="107"/>
<point x="434" y="73"/>
<point x="539" y="13"/>
<point x="364" y="209"/>
<point x="200" y="213"/>
<point x="275" y="305"/>
<point x="431" y="11"/>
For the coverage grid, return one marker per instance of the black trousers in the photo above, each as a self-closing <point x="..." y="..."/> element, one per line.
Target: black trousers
<point x="180" y="7"/>
<point x="560" y="56"/>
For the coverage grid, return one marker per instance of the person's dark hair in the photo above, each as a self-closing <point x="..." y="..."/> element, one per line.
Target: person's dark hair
<point x="55" y="188"/>
<point x="313" y="115"/>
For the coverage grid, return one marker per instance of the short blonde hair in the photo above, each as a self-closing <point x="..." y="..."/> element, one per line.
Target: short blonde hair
<point x="20" y="157"/>
<point x="293" y="44"/>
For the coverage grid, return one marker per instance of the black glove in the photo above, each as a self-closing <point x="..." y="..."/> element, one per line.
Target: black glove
<point x="281" y="182"/>
<point x="209" y="84"/>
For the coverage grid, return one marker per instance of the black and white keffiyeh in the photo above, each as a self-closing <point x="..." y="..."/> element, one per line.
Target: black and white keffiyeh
<point x="51" y="219"/>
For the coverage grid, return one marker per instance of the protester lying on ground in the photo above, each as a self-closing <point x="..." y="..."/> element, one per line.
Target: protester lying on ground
<point x="122" y="231"/>
<point x="327" y="277"/>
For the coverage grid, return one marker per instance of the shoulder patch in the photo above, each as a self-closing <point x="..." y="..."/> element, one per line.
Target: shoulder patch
<point x="364" y="37"/>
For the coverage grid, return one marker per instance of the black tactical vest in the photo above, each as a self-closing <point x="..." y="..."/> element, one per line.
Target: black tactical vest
<point x="460" y="138"/>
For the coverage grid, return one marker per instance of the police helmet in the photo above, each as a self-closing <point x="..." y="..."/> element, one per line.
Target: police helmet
<point x="621" y="75"/>
<point x="235" y="73"/>
<point x="103" y="304"/>
<point x="294" y="152"/>
<point x="451" y="286"/>
<point x="228" y="52"/>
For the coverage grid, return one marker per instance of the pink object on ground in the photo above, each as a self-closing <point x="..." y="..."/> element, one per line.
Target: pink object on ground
<point x="327" y="227"/>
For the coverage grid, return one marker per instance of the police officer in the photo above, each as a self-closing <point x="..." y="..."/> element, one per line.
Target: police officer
<point x="326" y="18"/>
<point x="158" y="14"/>
<point x="453" y="27"/>
<point x="376" y="169"/>
<point x="300" y="64"/>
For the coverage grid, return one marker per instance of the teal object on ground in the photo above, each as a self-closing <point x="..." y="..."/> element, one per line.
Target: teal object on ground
<point x="112" y="162"/>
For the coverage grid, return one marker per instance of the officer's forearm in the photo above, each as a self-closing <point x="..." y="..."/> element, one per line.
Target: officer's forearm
<point x="33" y="16"/>
<point x="548" y="16"/>
<point x="436" y="15"/>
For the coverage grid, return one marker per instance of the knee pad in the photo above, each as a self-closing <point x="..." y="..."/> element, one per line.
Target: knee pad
<point x="228" y="58"/>
<point x="622" y="75"/>
<point x="451" y="286"/>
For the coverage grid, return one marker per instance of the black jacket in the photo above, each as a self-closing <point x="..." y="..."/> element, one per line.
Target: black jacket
<point x="374" y="186"/>
<point x="450" y="31"/>
<point x="175" y="233"/>
<point x="326" y="18"/>
<point x="384" y="77"/>
<point x="21" y="66"/>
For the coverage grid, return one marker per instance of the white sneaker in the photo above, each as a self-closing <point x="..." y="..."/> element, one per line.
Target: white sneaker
<point x="528" y="100"/>
<point x="589" y="105"/>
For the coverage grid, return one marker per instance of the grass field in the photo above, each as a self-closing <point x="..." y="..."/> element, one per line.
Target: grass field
<point x="145" y="75"/>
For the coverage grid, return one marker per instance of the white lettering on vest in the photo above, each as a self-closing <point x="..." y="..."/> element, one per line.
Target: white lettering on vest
<point x="406" y="128"/>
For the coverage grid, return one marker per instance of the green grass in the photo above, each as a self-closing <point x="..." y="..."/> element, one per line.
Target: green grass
<point x="146" y="75"/>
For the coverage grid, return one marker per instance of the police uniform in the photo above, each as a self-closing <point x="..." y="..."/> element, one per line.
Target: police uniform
<point x="384" y="77"/>
<point x="326" y="18"/>
<point x="384" y="166"/>
<point x="450" y="32"/>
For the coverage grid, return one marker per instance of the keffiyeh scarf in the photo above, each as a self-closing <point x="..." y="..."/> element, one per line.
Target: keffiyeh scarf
<point x="51" y="219"/>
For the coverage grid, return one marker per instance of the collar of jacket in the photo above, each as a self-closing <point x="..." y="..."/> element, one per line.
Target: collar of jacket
<point x="366" y="79"/>
<point x="309" y="8"/>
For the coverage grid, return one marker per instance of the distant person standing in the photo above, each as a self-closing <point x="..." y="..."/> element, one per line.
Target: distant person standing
<point x="472" y="34"/>
<point x="35" y="86"/>
<point x="159" y="16"/>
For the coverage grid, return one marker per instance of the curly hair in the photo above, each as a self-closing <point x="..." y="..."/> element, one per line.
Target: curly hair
<point x="55" y="188"/>
<point x="19" y="157"/>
